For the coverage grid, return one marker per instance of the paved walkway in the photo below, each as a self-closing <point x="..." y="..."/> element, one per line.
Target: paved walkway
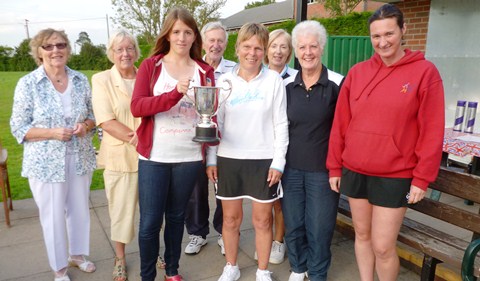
<point x="23" y="255"/>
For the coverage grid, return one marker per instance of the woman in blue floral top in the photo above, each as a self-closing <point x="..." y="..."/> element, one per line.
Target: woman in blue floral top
<point x="52" y="117"/>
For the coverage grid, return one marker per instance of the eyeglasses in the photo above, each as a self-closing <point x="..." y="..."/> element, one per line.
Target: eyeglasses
<point x="129" y="50"/>
<point x="49" y="47"/>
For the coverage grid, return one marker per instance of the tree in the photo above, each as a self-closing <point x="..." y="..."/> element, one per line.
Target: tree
<point x="6" y="54"/>
<point x="22" y="60"/>
<point x="91" y="57"/>
<point x="139" y="15"/>
<point x="145" y="17"/>
<point x="340" y="7"/>
<point x="203" y="11"/>
<point x="258" y="3"/>
<point x="83" y="38"/>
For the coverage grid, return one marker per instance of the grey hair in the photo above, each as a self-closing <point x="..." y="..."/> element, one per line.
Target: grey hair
<point x="118" y="37"/>
<point x="211" y="26"/>
<point x="310" y="27"/>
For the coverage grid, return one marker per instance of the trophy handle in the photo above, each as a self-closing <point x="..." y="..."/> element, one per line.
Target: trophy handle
<point x="229" y="93"/>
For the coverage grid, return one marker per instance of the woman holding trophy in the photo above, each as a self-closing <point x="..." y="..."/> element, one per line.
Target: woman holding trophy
<point x="250" y="158"/>
<point x="169" y="160"/>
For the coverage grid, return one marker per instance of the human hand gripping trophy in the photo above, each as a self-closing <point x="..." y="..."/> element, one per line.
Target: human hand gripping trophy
<point x="207" y="105"/>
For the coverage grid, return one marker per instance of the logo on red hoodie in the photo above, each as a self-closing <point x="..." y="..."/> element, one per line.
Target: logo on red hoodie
<point x="405" y="88"/>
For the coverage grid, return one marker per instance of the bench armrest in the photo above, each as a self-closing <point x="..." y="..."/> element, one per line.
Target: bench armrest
<point x="469" y="260"/>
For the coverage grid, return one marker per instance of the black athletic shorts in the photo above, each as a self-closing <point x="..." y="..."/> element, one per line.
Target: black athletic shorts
<point x="245" y="178"/>
<point x="385" y="192"/>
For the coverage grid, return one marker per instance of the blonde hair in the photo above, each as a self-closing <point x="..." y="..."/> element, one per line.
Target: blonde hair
<point x="118" y="37"/>
<point x="273" y="36"/>
<point x="249" y="30"/>
<point x="42" y="37"/>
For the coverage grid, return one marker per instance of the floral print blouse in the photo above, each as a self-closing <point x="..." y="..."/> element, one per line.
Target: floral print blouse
<point x="37" y="104"/>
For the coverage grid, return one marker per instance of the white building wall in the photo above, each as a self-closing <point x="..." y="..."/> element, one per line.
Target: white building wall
<point x="453" y="44"/>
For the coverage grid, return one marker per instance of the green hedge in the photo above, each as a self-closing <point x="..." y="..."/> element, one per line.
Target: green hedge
<point x="354" y="24"/>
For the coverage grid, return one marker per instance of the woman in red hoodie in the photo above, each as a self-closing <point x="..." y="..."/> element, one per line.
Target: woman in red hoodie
<point x="169" y="161"/>
<point x="386" y="142"/>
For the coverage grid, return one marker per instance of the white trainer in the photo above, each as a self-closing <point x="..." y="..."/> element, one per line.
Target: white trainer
<point x="195" y="245"/>
<point x="263" y="275"/>
<point x="220" y="243"/>
<point x="277" y="254"/>
<point x="230" y="273"/>
<point x="296" y="276"/>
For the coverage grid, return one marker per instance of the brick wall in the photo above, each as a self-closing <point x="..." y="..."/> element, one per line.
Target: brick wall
<point x="318" y="10"/>
<point x="416" y="14"/>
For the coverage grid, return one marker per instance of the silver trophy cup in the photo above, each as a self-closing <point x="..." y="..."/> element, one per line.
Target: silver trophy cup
<point x="206" y="105"/>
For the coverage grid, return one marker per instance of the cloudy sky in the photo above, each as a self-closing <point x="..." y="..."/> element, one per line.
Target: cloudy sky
<point x="72" y="16"/>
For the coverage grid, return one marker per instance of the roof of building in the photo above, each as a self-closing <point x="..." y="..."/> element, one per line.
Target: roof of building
<point x="267" y="14"/>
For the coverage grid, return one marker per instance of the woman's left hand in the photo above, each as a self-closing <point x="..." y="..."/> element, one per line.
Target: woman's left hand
<point x="415" y="195"/>
<point x="80" y="130"/>
<point x="134" y="138"/>
<point x="274" y="177"/>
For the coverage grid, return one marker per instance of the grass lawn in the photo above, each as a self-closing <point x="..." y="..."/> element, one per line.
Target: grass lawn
<point x="19" y="185"/>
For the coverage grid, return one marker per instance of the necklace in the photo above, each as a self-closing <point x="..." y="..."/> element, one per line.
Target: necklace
<point x="59" y="81"/>
<point x="58" y="78"/>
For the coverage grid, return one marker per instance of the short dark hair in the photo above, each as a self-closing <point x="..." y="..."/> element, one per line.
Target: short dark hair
<point x="387" y="11"/>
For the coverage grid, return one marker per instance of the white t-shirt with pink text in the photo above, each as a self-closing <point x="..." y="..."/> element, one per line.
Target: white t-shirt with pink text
<point x="175" y="128"/>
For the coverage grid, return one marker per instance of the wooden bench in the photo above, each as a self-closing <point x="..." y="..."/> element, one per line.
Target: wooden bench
<point x="438" y="246"/>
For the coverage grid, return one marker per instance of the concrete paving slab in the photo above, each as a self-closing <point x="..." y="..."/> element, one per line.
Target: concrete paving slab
<point x="23" y="255"/>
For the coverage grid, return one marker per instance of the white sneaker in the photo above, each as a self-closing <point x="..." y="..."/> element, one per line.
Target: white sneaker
<point x="220" y="243"/>
<point x="277" y="254"/>
<point x="230" y="273"/>
<point x="263" y="275"/>
<point x="296" y="276"/>
<point x="195" y="245"/>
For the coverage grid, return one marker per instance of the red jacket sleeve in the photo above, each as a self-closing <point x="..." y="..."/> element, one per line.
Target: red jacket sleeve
<point x="144" y="103"/>
<point x="431" y="125"/>
<point x="341" y="121"/>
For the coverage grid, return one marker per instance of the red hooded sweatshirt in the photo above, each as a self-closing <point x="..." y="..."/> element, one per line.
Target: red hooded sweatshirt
<point x="389" y="120"/>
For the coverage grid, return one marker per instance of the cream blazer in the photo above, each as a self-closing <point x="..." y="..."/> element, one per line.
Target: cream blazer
<point x="111" y="100"/>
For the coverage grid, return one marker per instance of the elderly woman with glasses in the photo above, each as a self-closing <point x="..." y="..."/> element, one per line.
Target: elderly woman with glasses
<point x="52" y="117"/>
<point x="112" y="93"/>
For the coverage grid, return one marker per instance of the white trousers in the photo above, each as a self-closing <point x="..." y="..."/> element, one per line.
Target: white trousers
<point x="64" y="210"/>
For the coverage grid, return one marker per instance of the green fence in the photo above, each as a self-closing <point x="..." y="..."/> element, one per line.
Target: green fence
<point x="342" y="52"/>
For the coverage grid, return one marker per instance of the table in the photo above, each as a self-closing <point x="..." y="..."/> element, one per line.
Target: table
<point x="463" y="144"/>
<point x="460" y="144"/>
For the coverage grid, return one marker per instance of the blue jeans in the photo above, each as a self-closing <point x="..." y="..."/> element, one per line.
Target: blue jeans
<point x="163" y="189"/>
<point x="310" y="211"/>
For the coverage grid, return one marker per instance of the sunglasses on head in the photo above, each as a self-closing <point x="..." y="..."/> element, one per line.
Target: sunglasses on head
<point x="49" y="47"/>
